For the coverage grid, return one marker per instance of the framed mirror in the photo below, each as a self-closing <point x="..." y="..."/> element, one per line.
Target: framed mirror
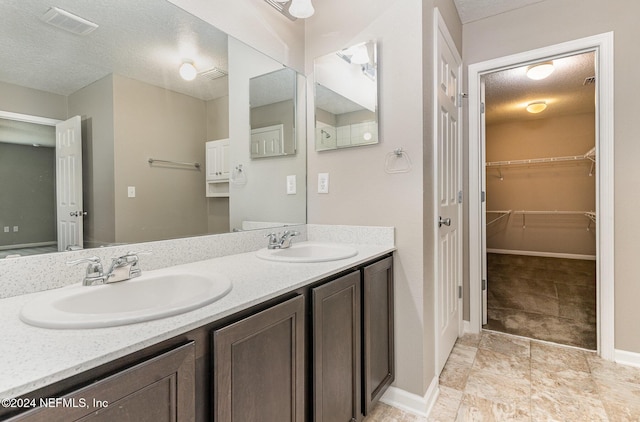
<point x="346" y="98"/>
<point x="122" y="73"/>
<point x="273" y="114"/>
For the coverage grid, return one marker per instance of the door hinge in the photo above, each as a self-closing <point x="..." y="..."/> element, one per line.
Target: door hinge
<point x="481" y="107"/>
<point x="482" y="196"/>
<point x="459" y="197"/>
<point x="484" y="284"/>
<point x="459" y="292"/>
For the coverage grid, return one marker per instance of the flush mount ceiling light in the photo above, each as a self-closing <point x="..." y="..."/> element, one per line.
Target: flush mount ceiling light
<point x="301" y="9"/>
<point x="536" y="107"/>
<point x="540" y="70"/>
<point x="188" y="71"/>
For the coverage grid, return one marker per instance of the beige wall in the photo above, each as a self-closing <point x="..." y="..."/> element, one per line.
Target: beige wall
<point x="151" y="122"/>
<point x="95" y="104"/>
<point x="360" y="191"/>
<point x="565" y="186"/>
<point x="18" y="99"/>
<point x="565" y="20"/>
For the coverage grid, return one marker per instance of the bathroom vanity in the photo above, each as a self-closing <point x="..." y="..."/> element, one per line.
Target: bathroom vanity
<point x="290" y="342"/>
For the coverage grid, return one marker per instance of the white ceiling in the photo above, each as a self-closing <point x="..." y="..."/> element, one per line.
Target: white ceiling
<point x="473" y="10"/>
<point x="142" y="39"/>
<point x="509" y="91"/>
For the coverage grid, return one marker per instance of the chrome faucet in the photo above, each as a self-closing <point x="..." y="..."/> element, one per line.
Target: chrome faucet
<point x="283" y="242"/>
<point x="122" y="268"/>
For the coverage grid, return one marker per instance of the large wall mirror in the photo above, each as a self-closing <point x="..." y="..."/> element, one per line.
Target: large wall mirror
<point x="346" y="98"/>
<point x="151" y="84"/>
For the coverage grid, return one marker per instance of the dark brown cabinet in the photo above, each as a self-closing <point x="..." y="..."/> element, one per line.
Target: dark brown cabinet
<point x="156" y="390"/>
<point x="259" y="366"/>
<point x="353" y="343"/>
<point x="336" y="314"/>
<point x="378" y="341"/>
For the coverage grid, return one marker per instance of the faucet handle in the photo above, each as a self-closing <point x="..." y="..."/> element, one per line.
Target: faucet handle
<point x="94" y="267"/>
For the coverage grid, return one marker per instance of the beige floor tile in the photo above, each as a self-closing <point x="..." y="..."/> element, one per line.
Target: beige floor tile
<point x="548" y="356"/>
<point x="469" y="339"/>
<point x="610" y="370"/>
<point x="553" y="405"/>
<point x="498" y="388"/>
<point x="474" y="408"/>
<point x="508" y="345"/>
<point x="446" y="407"/>
<point x="512" y="366"/>
<point x="565" y="382"/>
<point x="456" y="370"/>
<point x="621" y="399"/>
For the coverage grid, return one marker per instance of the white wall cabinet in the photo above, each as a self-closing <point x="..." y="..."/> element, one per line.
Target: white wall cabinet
<point x="217" y="168"/>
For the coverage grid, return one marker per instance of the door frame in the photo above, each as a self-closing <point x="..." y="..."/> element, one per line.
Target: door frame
<point x="440" y="26"/>
<point x="602" y="44"/>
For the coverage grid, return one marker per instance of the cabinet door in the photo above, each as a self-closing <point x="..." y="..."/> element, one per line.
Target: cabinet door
<point x="379" y="371"/>
<point x="217" y="156"/>
<point x="258" y="366"/>
<point x="336" y="350"/>
<point x="159" y="389"/>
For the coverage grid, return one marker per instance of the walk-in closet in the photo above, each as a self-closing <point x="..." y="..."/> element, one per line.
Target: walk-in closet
<point x="540" y="163"/>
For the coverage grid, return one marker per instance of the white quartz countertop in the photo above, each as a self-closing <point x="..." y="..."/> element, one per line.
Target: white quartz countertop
<point x="35" y="357"/>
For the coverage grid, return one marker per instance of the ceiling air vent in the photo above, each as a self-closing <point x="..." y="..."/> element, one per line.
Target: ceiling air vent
<point x="68" y="21"/>
<point x="213" y="73"/>
<point x="589" y="81"/>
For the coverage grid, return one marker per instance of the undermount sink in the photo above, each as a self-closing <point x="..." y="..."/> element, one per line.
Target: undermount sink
<point x="308" y="252"/>
<point x="153" y="295"/>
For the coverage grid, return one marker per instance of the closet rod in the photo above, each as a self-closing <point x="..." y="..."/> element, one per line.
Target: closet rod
<point x="589" y="155"/>
<point x="554" y="212"/>
<point x="503" y="214"/>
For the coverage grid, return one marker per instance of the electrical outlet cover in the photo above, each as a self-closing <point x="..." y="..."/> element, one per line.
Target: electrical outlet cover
<point x="323" y="182"/>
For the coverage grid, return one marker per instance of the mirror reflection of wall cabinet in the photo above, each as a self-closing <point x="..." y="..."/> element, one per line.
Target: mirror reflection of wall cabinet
<point x="346" y="98"/>
<point x="217" y="168"/>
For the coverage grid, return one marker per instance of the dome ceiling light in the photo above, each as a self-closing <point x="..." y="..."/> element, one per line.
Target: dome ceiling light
<point x="540" y="71"/>
<point x="188" y="71"/>
<point x="536" y="107"/>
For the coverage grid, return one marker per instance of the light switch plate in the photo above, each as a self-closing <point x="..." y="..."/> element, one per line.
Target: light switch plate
<point x="131" y="191"/>
<point x="323" y="182"/>
<point x="291" y="184"/>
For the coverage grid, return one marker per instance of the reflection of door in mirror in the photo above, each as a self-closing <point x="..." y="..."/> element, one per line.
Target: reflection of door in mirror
<point x="273" y="109"/>
<point x="346" y="98"/>
<point x="27" y="185"/>
<point x="69" y="184"/>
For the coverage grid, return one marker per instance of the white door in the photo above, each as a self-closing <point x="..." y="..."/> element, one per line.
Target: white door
<point x="69" y="183"/>
<point x="449" y="187"/>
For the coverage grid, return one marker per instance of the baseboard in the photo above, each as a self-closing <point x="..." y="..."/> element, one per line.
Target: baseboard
<point x="627" y="358"/>
<point x="543" y="254"/>
<point x="412" y="403"/>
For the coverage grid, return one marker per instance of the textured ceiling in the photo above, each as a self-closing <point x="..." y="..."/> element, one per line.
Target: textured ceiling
<point x="142" y="39"/>
<point x="509" y="91"/>
<point x="473" y="10"/>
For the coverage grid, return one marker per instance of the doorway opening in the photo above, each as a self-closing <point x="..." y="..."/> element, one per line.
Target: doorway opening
<point x="540" y="157"/>
<point x="602" y="46"/>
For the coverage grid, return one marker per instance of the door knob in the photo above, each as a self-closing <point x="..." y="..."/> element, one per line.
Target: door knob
<point x="445" y="221"/>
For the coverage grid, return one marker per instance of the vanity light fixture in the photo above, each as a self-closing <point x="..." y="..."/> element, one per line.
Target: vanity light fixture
<point x="540" y="70"/>
<point x="360" y="55"/>
<point x="301" y="9"/>
<point x="188" y="71"/>
<point x="536" y="107"/>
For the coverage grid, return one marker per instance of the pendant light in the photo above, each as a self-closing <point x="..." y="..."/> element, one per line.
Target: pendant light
<point x="301" y="9"/>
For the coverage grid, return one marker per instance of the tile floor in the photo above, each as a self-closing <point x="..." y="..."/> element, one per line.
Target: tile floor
<point x="499" y="377"/>
<point x="544" y="298"/>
